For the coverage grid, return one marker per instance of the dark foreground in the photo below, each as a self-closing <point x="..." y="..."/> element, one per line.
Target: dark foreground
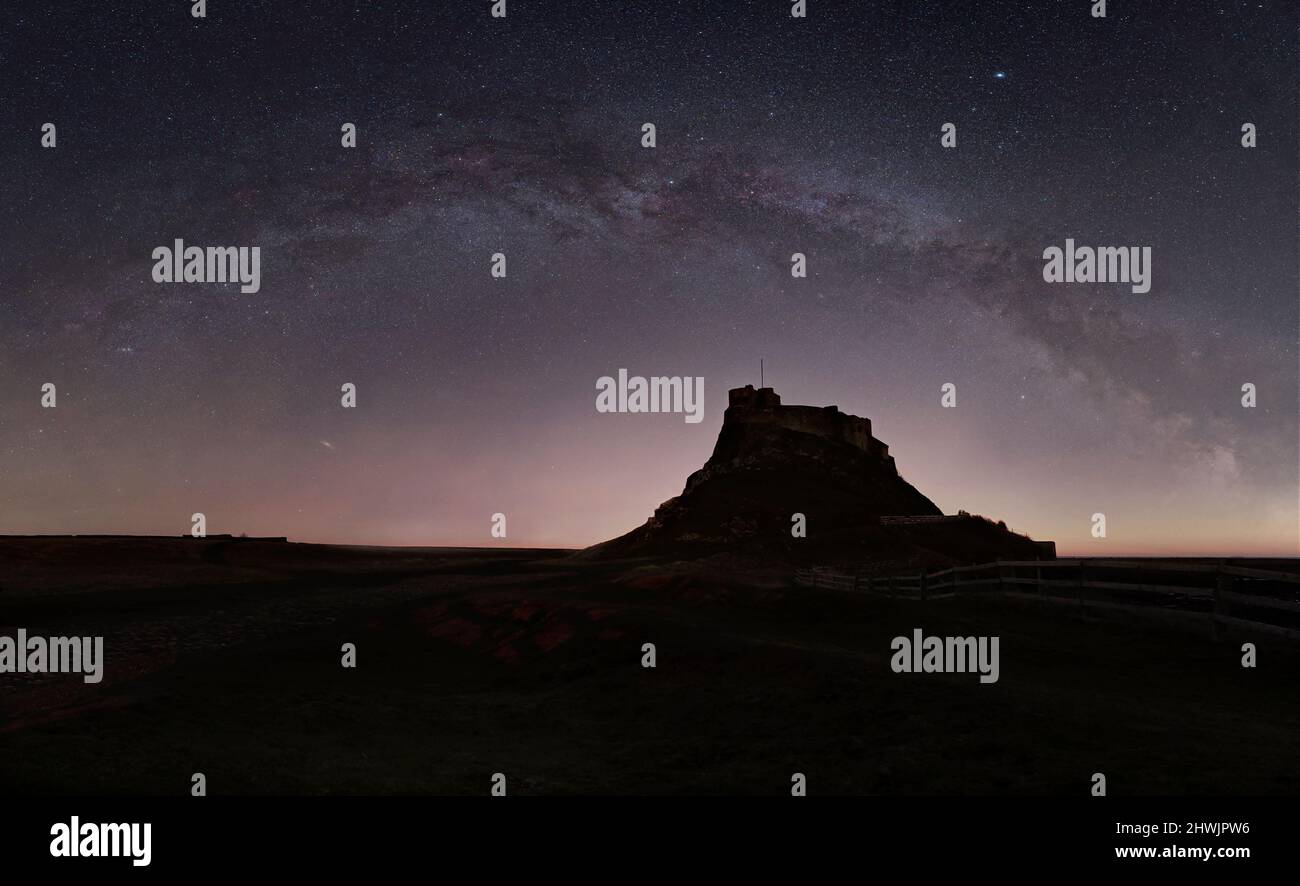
<point x="223" y="657"/>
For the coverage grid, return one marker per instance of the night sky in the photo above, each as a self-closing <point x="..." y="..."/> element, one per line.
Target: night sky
<point x="522" y="135"/>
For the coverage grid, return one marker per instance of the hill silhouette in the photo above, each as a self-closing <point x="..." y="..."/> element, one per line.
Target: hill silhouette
<point x="773" y="461"/>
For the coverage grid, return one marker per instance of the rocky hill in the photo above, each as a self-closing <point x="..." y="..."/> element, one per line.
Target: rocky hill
<point x="772" y="462"/>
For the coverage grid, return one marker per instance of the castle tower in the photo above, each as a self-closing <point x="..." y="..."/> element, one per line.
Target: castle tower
<point x="749" y="398"/>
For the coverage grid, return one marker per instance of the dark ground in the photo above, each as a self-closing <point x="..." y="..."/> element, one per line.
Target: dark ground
<point x="223" y="657"/>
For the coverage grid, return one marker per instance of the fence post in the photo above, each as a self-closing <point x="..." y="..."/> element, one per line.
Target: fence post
<point x="891" y="584"/>
<point x="1220" y="604"/>
<point x="1002" y="588"/>
<point x="857" y="571"/>
<point x="871" y="584"/>
<point x="921" y="581"/>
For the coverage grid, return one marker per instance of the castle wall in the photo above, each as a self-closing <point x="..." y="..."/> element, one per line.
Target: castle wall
<point x="763" y="407"/>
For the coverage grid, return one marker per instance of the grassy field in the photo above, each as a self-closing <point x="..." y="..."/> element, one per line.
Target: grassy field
<point x="223" y="657"/>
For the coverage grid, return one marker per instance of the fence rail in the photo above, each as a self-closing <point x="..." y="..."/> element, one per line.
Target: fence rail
<point x="1225" y="593"/>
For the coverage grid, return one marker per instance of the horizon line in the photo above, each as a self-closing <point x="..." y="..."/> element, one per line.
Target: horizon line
<point x="226" y="536"/>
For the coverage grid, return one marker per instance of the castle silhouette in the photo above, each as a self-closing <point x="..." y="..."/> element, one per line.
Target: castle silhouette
<point x="762" y="406"/>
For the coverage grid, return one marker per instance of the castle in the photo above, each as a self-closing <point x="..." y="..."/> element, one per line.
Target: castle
<point x="772" y="461"/>
<point x="762" y="406"/>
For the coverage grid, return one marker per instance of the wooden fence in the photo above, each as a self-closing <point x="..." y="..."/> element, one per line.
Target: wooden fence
<point x="1229" y="595"/>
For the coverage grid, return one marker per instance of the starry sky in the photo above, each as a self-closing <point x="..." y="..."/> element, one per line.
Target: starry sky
<point x="522" y="135"/>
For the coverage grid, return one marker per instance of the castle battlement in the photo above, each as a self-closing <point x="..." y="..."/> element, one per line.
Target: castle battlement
<point x="762" y="406"/>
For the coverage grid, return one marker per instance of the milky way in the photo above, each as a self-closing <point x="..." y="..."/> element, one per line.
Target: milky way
<point x="522" y="135"/>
